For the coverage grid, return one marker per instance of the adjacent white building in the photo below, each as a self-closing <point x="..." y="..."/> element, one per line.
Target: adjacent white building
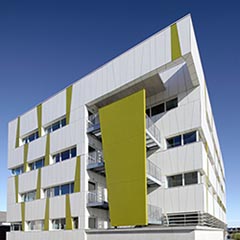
<point x="87" y="163"/>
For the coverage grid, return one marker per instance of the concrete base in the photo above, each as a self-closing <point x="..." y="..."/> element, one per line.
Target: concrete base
<point x="157" y="233"/>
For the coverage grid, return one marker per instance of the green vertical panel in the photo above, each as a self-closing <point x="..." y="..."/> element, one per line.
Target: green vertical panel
<point x="68" y="214"/>
<point x="68" y="103"/>
<point x="175" y="44"/>
<point x="39" y="117"/>
<point x="46" y="217"/>
<point x="25" y="157"/>
<point x="123" y="126"/>
<point x="77" y="175"/>
<point x="16" y="188"/>
<point x="23" y="215"/>
<point x="47" y="151"/>
<point x="17" y="133"/>
<point x="38" y="193"/>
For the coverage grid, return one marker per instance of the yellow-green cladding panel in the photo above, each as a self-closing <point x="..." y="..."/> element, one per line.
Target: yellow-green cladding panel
<point x="124" y="147"/>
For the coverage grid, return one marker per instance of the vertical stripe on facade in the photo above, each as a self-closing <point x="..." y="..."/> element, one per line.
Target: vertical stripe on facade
<point x="23" y="215"/>
<point x="77" y="175"/>
<point x="47" y="150"/>
<point x="175" y="44"/>
<point x="17" y="133"/>
<point x="68" y="214"/>
<point x="123" y="127"/>
<point x="68" y="103"/>
<point x="25" y="157"/>
<point x="39" y="117"/>
<point x="46" y="217"/>
<point x="16" y="188"/>
<point x="38" y="192"/>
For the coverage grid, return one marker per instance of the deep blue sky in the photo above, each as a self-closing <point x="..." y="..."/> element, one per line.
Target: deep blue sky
<point x="47" y="45"/>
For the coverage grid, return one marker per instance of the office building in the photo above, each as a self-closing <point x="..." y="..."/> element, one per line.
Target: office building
<point x="129" y="151"/>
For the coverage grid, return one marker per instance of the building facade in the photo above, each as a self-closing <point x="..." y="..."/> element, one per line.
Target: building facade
<point x="128" y="151"/>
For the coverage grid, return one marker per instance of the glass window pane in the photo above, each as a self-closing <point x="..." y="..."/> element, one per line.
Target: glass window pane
<point x="174" y="181"/>
<point x="71" y="187"/>
<point x="65" y="155"/>
<point x="189" y="137"/>
<point x="148" y="112"/>
<point x="56" y="158"/>
<point x="56" y="191"/>
<point x="65" y="189"/>
<point x="39" y="164"/>
<point x="174" y="141"/>
<point x="73" y="152"/>
<point x="63" y="122"/>
<point x="158" y="109"/>
<point x="191" y="178"/>
<point x="171" y="104"/>
<point x="55" y="126"/>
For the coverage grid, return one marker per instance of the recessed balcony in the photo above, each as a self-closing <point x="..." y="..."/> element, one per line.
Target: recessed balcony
<point x="154" y="176"/>
<point x="153" y="135"/>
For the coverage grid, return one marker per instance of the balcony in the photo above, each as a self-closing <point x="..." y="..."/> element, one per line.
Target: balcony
<point x="97" y="199"/>
<point x="154" y="175"/>
<point x="153" y="135"/>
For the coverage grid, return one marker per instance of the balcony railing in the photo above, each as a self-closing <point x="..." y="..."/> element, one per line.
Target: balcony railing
<point x="154" y="214"/>
<point x="97" y="199"/>
<point x="153" y="134"/>
<point x="154" y="173"/>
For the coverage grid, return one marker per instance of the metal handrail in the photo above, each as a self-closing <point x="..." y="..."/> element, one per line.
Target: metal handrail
<point x="96" y="196"/>
<point x="96" y="158"/>
<point x="154" y="170"/>
<point x="154" y="214"/>
<point x="153" y="129"/>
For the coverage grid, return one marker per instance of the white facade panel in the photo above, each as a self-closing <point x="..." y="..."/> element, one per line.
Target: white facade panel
<point x="35" y="210"/>
<point x="15" y="157"/>
<point x="36" y="149"/>
<point x="59" y="173"/>
<point x="54" y="108"/>
<point x="28" y="181"/>
<point x="28" y="122"/>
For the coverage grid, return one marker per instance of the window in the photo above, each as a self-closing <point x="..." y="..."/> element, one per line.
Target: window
<point x="189" y="137"/>
<point x="29" y="196"/>
<point x="56" y="125"/>
<point x="175" y="181"/>
<point x="59" y="190"/>
<point x="17" y="171"/>
<point x="92" y="223"/>
<point x="173" y="103"/>
<point x="17" y="226"/>
<point x="182" y="139"/>
<point x="157" y="109"/>
<point x="183" y="179"/>
<point x="37" y="164"/>
<point x="174" y="141"/>
<point x="75" y="222"/>
<point x="30" y="138"/>
<point x="59" y="223"/>
<point x="68" y="154"/>
<point x="191" y="178"/>
<point x="35" y="225"/>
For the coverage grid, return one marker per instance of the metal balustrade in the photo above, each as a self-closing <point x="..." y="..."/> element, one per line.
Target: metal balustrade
<point x="153" y="173"/>
<point x="153" y="134"/>
<point x="97" y="199"/>
<point x="154" y="214"/>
